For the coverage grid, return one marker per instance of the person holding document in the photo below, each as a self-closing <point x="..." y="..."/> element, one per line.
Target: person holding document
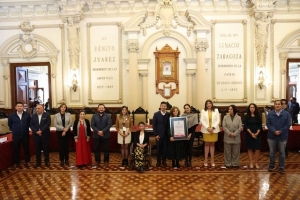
<point x="176" y="148"/>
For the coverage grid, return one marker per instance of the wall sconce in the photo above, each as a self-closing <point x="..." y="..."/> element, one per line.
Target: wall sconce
<point x="74" y="83"/>
<point x="261" y="81"/>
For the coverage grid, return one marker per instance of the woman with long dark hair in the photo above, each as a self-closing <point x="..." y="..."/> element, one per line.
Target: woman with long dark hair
<point x="192" y="121"/>
<point x="82" y="133"/>
<point x="210" y="120"/>
<point x="253" y="126"/>
<point x="123" y="126"/>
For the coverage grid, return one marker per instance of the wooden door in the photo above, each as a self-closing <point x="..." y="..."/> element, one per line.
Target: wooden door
<point x="22" y="86"/>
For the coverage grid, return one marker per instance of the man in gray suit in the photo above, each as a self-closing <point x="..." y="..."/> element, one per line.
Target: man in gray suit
<point x="101" y="123"/>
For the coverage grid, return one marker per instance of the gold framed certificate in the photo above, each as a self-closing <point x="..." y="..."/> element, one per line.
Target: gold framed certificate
<point x="179" y="128"/>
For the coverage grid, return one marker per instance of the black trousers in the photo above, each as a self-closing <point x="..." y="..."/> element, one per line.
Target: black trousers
<point x="24" y="140"/>
<point x="190" y="143"/>
<point x="162" y="146"/>
<point x="104" y="142"/>
<point x="41" y="144"/>
<point x="189" y="147"/>
<point x="63" y="145"/>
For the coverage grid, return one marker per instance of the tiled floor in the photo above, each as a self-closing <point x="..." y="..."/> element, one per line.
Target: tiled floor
<point x="111" y="182"/>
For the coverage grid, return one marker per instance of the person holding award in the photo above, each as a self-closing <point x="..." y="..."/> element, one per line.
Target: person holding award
<point x="176" y="148"/>
<point x="123" y="126"/>
<point x="210" y="120"/>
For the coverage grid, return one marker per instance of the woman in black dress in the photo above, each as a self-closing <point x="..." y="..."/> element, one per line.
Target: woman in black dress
<point x="140" y="142"/>
<point x="176" y="149"/>
<point x="253" y="126"/>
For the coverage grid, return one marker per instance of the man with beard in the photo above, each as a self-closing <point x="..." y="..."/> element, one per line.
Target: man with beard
<point x="101" y="123"/>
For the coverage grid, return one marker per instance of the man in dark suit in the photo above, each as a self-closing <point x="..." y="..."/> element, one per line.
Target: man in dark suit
<point x="160" y="131"/>
<point x="39" y="124"/>
<point x="19" y="122"/>
<point x="294" y="106"/>
<point x="101" y="123"/>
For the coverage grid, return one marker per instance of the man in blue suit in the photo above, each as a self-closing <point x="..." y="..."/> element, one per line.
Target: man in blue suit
<point x="19" y="122"/>
<point x="160" y="131"/>
<point x="39" y="124"/>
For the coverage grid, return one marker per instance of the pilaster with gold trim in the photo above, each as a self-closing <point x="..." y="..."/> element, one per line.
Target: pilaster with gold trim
<point x="283" y="58"/>
<point x="5" y="62"/>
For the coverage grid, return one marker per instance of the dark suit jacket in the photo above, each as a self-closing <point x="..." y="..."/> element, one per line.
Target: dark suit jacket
<point x="88" y="128"/>
<point x="136" y="140"/>
<point x="99" y="124"/>
<point x="43" y="126"/>
<point x="160" y="127"/>
<point x="19" y="127"/>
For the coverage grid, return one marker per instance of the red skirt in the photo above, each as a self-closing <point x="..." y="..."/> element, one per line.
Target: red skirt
<point x="83" y="149"/>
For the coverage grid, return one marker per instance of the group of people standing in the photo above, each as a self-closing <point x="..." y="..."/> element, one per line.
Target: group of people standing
<point x="278" y="124"/>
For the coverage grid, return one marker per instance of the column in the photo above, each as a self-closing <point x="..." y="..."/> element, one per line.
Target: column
<point x="132" y="46"/>
<point x="6" y="86"/>
<point x="54" y="100"/>
<point x="189" y="85"/>
<point x="144" y="75"/>
<point x="283" y="81"/>
<point x="201" y="44"/>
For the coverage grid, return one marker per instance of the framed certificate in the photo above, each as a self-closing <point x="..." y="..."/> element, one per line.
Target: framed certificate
<point x="179" y="128"/>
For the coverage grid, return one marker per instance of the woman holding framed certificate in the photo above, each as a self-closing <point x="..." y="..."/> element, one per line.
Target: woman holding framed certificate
<point x="210" y="120"/>
<point x="176" y="147"/>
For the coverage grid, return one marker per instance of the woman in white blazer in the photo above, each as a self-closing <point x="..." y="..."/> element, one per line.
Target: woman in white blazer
<point x="62" y="123"/>
<point x="210" y="120"/>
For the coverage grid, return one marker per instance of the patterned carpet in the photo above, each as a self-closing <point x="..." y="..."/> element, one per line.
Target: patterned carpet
<point x="112" y="182"/>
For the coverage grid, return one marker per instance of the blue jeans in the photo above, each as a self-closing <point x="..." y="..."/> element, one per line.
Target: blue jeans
<point x="281" y="147"/>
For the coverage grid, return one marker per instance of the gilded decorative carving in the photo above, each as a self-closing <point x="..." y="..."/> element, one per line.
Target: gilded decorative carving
<point x="201" y="45"/>
<point x="132" y="45"/>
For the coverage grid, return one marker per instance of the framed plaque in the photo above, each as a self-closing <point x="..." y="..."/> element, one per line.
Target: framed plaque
<point x="178" y="128"/>
<point x="166" y="66"/>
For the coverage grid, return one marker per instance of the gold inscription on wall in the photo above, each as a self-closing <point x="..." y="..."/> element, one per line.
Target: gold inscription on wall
<point x="229" y="62"/>
<point x="105" y="72"/>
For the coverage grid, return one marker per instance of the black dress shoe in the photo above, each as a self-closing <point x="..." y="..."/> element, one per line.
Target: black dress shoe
<point x="62" y="163"/>
<point x="47" y="164"/>
<point x="177" y="164"/>
<point x="67" y="162"/>
<point x="158" y="164"/>
<point x="97" y="163"/>
<point x="164" y="164"/>
<point x="37" y="165"/>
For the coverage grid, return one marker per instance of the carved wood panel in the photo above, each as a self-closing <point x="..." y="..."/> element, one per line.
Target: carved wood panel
<point x="166" y="66"/>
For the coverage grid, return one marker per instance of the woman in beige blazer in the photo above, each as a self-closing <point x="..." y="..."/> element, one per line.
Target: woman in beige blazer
<point x="62" y="123"/>
<point x="232" y="126"/>
<point x="123" y="126"/>
<point x="210" y="120"/>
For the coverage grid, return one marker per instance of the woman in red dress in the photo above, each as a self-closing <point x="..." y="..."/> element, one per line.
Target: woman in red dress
<point x="82" y="132"/>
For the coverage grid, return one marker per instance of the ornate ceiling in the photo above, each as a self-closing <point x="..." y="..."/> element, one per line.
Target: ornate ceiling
<point x="16" y="10"/>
